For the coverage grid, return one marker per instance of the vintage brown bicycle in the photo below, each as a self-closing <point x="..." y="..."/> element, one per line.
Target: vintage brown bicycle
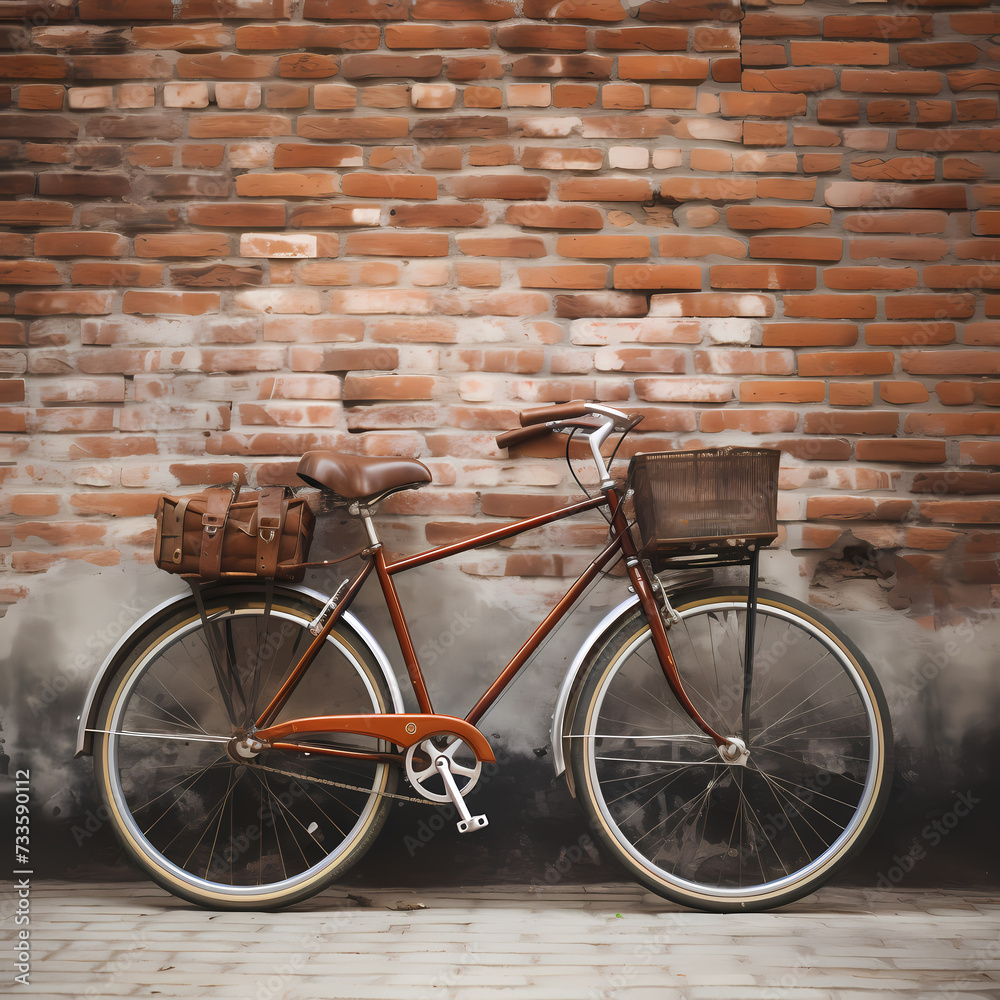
<point x="730" y="747"/>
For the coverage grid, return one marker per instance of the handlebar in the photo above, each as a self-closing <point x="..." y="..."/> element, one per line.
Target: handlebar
<point x="521" y="434"/>
<point x="558" y="411"/>
<point x="542" y="420"/>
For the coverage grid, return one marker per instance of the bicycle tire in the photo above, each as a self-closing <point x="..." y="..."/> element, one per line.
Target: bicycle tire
<point x="207" y="826"/>
<point x="712" y="835"/>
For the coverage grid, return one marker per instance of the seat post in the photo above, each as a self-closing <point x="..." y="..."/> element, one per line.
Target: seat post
<point x="366" y="517"/>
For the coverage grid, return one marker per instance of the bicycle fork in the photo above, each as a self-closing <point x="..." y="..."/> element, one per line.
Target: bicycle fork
<point x="732" y="749"/>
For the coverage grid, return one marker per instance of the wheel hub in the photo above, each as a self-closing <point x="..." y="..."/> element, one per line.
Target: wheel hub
<point x="734" y="751"/>
<point x="243" y="748"/>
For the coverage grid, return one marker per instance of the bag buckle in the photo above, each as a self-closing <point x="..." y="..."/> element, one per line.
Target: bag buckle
<point x="268" y="527"/>
<point x="211" y="523"/>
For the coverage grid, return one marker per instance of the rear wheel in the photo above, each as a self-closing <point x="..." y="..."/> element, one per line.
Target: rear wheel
<point x="205" y="823"/>
<point x="722" y="836"/>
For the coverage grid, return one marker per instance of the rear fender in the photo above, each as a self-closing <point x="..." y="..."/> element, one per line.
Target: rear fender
<point x="100" y="683"/>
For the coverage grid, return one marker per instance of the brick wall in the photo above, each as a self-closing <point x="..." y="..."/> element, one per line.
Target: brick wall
<point x="235" y="231"/>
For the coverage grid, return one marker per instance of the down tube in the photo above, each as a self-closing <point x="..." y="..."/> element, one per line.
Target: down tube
<point x="552" y="619"/>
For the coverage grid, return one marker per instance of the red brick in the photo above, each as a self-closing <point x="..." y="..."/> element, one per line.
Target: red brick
<point x="748" y="105"/>
<point x="54" y="303"/>
<point x="955" y="362"/>
<point x="182" y="38"/>
<point x="859" y="278"/>
<point x="701" y="246"/>
<point x="705" y="188"/>
<point x="237" y="215"/>
<point x="847" y="508"/>
<point x="748" y="421"/>
<point x="721" y="361"/>
<point x="292" y="185"/>
<point x="684" y="69"/>
<point x="962" y="276"/>
<point x="447" y="214"/>
<point x="897" y="222"/>
<point x="852" y="393"/>
<point x="773" y="24"/>
<point x="930" y="306"/>
<point x="901" y="450"/>
<point x="790" y="80"/>
<point x="982" y="334"/>
<point x="182" y="245"/>
<point x="899" y="248"/>
<point x="874" y="194"/>
<point x="773" y="276"/>
<point x="658" y="38"/>
<point x="945" y="140"/>
<point x="890" y="82"/>
<point x="657" y="276"/>
<point x="878" y="26"/>
<point x="170" y="302"/>
<point x="798" y="391"/>
<point x="776" y="216"/>
<point x="604" y="246"/>
<point x="787" y="188"/>
<point x="432" y="36"/>
<point x="909" y="334"/>
<point x="831" y="306"/>
<point x="365" y="185"/>
<point x="30" y="272"/>
<point x="903" y="393"/>
<point x="828" y="248"/>
<point x="539" y="216"/>
<point x="961" y="511"/>
<point x="218" y="126"/>
<point x="398" y="244"/>
<point x="968" y="393"/>
<point x="118" y="273"/>
<point x="836" y="363"/>
<point x="605" y="189"/>
<point x="810" y="335"/>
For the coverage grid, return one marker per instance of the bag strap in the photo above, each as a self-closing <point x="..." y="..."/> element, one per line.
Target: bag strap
<point x="272" y="506"/>
<point x="213" y="523"/>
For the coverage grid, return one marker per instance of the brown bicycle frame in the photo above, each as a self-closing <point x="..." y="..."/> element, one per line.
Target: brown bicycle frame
<point x="402" y="729"/>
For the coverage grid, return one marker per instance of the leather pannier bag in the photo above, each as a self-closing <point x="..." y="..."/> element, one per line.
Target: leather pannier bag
<point x="220" y="534"/>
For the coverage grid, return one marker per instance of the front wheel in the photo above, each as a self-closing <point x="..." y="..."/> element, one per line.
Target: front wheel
<point x="202" y="821"/>
<point x="721" y="836"/>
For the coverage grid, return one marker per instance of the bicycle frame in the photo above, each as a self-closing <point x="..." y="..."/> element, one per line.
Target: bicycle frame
<point x="404" y="730"/>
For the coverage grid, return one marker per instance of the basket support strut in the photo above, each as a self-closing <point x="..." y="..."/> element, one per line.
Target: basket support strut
<point x="749" y="636"/>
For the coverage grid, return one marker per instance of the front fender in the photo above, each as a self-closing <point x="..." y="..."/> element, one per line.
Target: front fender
<point x="100" y="683"/>
<point x="567" y="690"/>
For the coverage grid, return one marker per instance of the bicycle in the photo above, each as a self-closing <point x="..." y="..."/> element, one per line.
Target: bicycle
<point x="730" y="747"/>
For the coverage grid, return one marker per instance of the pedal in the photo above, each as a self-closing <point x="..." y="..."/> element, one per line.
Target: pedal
<point x="468" y="823"/>
<point x="472" y="823"/>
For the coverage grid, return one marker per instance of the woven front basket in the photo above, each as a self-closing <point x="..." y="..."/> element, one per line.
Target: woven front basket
<point x="718" y="502"/>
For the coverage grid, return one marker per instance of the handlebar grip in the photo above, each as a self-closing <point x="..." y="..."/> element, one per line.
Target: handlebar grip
<point x="558" y="411"/>
<point x="521" y="434"/>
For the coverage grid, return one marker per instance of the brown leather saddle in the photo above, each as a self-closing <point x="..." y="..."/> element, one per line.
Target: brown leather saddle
<point x="361" y="479"/>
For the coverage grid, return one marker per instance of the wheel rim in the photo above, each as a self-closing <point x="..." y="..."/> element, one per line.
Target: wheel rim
<point x="218" y="825"/>
<point x="717" y="831"/>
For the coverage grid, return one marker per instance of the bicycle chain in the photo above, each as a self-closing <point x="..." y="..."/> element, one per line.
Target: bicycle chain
<point x="343" y="784"/>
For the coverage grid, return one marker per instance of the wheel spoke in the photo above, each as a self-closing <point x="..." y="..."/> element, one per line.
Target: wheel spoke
<point x="710" y="833"/>
<point x="213" y="828"/>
